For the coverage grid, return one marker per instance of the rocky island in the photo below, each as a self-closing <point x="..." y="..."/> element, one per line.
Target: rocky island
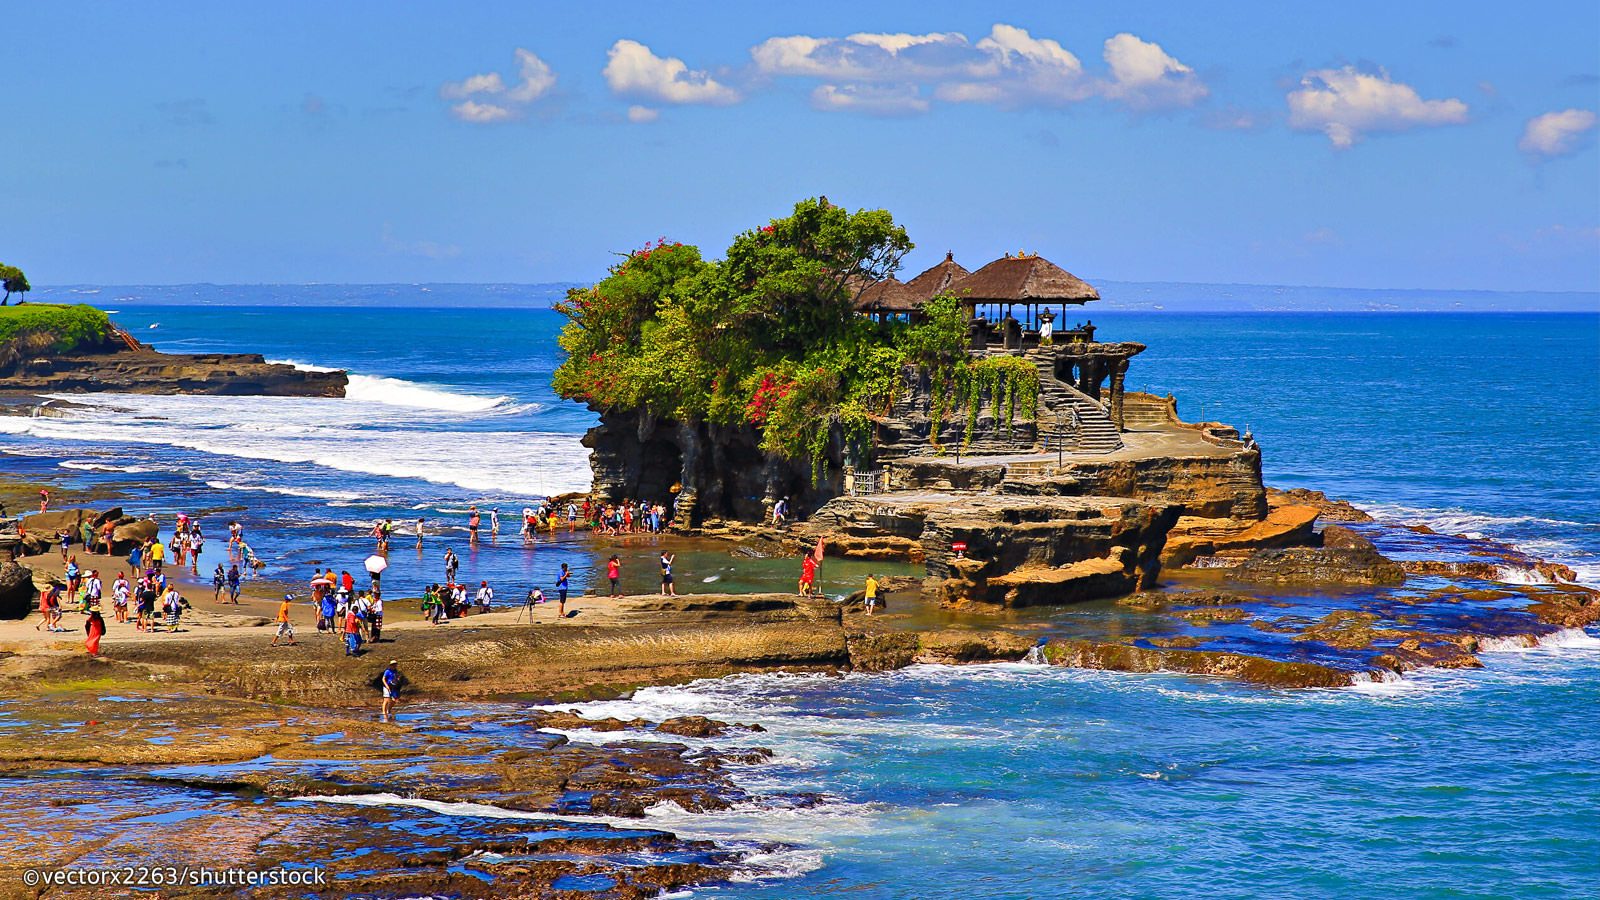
<point x="49" y="349"/>
<point x="956" y="421"/>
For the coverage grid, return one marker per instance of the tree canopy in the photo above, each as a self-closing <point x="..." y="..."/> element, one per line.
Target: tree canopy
<point x="767" y="336"/>
<point x="14" y="282"/>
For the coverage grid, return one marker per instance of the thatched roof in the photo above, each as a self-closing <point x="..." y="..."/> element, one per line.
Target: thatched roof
<point x="1023" y="279"/>
<point x="888" y="295"/>
<point x="933" y="282"/>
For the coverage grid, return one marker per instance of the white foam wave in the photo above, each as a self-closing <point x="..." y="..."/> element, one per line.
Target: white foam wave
<point x="1565" y="639"/>
<point x="302" y="366"/>
<point x="1478" y="526"/>
<point x="349" y="436"/>
<point x="100" y="467"/>
<point x="313" y="493"/>
<point x="747" y="822"/>
<point x="397" y="392"/>
<point x="1456" y="521"/>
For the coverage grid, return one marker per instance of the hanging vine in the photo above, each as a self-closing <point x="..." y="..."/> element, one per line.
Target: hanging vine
<point x="1009" y="382"/>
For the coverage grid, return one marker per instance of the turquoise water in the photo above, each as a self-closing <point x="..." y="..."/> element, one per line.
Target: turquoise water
<point x="1011" y="781"/>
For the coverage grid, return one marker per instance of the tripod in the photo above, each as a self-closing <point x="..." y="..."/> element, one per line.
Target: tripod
<point x="527" y="610"/>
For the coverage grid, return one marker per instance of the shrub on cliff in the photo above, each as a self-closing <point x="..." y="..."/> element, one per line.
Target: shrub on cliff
<point x="69" y="327"/>
<point x="766" y="337"/>
<point x="769" y="337"/>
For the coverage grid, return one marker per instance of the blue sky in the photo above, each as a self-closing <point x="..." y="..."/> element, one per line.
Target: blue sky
<point x="1428" y="145"/>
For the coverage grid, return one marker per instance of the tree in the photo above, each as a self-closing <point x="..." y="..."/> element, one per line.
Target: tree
<point x="15" y="282"/>
<point x="765" y="337"/>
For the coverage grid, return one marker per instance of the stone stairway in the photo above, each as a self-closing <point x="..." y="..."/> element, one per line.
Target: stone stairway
<point x="1096" y="433"/>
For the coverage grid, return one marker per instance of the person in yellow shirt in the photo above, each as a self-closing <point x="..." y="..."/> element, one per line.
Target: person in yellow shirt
<point x="872" y="595"/>
<point x="285" y="627"/>
<point x="158" y="554"/>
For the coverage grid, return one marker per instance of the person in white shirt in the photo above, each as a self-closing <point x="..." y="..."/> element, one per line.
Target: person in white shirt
<point x="485" y="596"/>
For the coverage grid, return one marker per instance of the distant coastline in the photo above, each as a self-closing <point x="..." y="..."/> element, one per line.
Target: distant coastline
<point x="1120" y="296"/>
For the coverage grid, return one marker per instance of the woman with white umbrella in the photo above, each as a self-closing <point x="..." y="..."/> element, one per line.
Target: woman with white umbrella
<point x="375" y="566"/>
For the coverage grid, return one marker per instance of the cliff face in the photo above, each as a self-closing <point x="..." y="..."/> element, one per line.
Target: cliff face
<point x="709" y="471"/>
<point x="146" y="371"/>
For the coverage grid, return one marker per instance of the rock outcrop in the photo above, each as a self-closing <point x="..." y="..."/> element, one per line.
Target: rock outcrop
<point x="17" y="591"/>
<point x="39" y="530"/>
<point x="1319" y="566"/>
<point x="1283" y="526"/>
<point x="145" y="371"/>
<point x="1018" y="551"/>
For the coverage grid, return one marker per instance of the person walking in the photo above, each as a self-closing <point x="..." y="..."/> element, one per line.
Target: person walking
<point x="871" y="595"/>
<point x="473" y="522"/>
<point x="197" y="543"/>
<point x="614" y="574"/>
<point x="667" y="590"/>
<point x="285" y="627"/>
<point x="390" y="683"/>
<point x="94" y="628"/>
<point x="375" y="616"/>
<point x="121" y="592"/>
<point x="173" y="605"/>
<point x="233" y="584"/>
<point x="419" y="532"/>
<point x="93" y="589"/>
<point x="494" y="521"/>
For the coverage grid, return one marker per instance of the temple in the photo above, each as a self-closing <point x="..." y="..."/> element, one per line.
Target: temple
<point x="1012" y="489"/>
<point x="1011" y="308"/>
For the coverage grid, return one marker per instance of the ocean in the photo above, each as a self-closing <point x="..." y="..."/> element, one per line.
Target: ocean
<point x="998" y="780"/>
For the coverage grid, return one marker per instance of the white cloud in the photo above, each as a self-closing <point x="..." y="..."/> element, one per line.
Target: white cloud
<point x="1556" y="133"/>
<point x="535" y="79"/>
<point x="867" y="57"/>
<point x="479" y="113"/>
<point x="1346" y="104"/>
<point x="643" y="114"/>
<point x="488" y="83"/>
<point x="1008" y="67"/>
<point x="1145" y="77"/>
<point x="632" y="70"/>
<point x="881" y="100"/>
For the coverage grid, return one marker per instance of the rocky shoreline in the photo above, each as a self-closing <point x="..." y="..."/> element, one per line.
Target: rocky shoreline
<point x="493" y="797"/>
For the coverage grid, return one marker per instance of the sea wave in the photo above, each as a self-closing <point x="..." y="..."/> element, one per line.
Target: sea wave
<point x="313" y="493"/>
<point x="321" y="432"/>
<point x="747" y="824"/>
<point x="100" y="467"/>
<point x="1563" y="541"/>
<point x="400" y="392"/>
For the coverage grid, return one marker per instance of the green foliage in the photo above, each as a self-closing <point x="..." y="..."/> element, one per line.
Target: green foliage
<point x="13" y="281"/>
<point x="71" y="326"/>
<point x="1007" y="381"/>
<point x="766" y="336"/>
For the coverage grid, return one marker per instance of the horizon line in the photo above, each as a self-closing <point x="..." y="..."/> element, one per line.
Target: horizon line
<point x="554" y="284"/>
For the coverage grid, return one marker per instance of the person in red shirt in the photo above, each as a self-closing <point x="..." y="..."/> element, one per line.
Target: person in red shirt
<point x="614" y="573"/>
<point x="352" y="632"/>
